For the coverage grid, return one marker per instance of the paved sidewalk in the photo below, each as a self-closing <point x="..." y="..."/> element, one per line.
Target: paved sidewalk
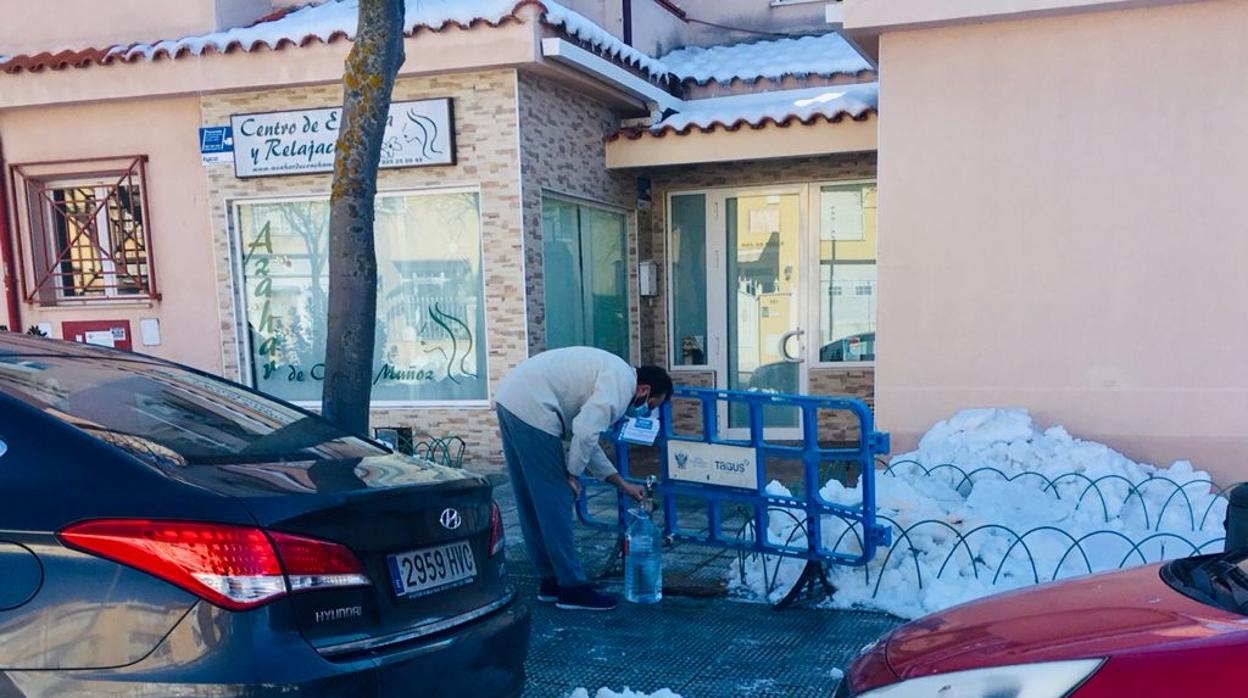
<point x="715" y="647"/>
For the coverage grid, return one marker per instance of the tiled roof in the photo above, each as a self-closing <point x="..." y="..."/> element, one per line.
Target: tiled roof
<point x="335" y="20"/>
<point x="780" y="108"/>
<point x="826" y="55"/>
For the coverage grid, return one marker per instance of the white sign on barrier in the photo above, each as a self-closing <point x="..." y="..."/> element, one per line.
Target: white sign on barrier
<point x="302" y="141"/>
<point x="712" y="464"/>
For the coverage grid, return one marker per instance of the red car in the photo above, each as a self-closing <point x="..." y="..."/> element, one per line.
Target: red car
<point x="1174" y="629"/>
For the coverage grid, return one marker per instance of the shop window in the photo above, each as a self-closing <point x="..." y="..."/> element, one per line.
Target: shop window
<point x="430" y="345"/>
<point x="87" y="235"/>
<point x="847" y="260"/>
<point x="688" y="279"/>
<point x="585" y="272"/>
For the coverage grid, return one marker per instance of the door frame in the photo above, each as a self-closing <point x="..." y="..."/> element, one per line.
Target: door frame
<point x="717" y="293"/>
<point x="716" y="281"/>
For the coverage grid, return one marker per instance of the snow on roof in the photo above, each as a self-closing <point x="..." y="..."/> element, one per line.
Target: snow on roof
<point x="781" y="107"/>
<point x="825" y="55"/>
<point x="580" y="27"/>
<point x="336" y="19"/>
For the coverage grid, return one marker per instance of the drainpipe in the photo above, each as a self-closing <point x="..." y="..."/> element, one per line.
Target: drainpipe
<point x="6" y="254"/>
<point x="628" y="21"/>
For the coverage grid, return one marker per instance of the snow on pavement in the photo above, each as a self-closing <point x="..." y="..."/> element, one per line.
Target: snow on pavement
<point x="1078" y="506"/>
<point x="608" y="693"/>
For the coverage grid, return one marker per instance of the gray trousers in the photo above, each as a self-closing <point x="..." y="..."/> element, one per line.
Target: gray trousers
<point x="538" y="468"/>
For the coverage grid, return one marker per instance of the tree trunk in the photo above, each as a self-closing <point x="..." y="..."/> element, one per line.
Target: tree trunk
<point x="351" y="329"/>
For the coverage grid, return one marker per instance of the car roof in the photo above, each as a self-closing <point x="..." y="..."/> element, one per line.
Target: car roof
<point x="14" y="344"/>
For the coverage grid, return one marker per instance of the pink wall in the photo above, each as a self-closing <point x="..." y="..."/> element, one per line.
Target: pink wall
<point x="30" y="27"/>
<point x="1061" y="214"/>
<point x="76" y="24"/>
<point x="167" y="131"/>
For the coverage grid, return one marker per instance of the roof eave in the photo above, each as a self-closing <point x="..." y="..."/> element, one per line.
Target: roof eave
<point x="768" y="140"/>
<point x="508" y="44"/>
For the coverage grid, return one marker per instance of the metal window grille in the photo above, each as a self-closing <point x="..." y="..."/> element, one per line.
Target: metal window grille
<point x="87" y="228"/>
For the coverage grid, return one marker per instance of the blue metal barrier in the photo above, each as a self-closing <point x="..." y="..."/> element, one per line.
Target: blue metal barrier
<point x="733" y="472"/>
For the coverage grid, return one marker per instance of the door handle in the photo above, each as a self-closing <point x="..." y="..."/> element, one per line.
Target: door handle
<point x="784" y="346"/>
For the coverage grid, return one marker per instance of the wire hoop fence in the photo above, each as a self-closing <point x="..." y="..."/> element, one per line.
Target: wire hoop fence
<point x="1179" y="519"/>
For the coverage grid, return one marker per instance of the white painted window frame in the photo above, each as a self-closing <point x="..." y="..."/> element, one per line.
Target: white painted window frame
<point x="245" y="351"/>
<point x="716" y="304"/>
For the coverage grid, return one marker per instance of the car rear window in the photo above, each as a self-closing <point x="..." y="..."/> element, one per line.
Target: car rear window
<point x="171" y="416"/>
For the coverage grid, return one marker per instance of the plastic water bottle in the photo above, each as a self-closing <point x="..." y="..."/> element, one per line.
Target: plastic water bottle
<point x="643" y="560"/>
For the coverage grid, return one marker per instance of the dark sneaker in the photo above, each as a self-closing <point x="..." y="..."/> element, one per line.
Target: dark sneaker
<point x="585" y="598"/>
<point x="548" y="591"/>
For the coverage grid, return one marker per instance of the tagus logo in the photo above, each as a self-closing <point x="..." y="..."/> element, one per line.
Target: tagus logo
<point x="728" y="466"/>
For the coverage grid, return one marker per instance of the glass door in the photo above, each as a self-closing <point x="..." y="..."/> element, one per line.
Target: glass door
<point x="763" y="284"/>
<point x="584" y="253"/>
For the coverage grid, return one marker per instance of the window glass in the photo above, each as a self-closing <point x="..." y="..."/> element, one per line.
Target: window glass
<point x="430" y="310"/>
<point x="585" y="253"/>
<point x="688" y="279"/>
<point x="561" y="255"/>
<point x="96" y="240"/>
<point x="166" y="415"/>
<point x="847" y="272"/>
<point x="604" y="251"/>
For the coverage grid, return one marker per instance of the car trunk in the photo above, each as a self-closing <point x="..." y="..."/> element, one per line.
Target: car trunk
<point x="1093" y="616"/>
<point x="379" y="507"/>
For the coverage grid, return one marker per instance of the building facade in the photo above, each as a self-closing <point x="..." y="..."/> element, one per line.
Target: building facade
<point x="678" y="201"/>
<point x="691" y="184"/>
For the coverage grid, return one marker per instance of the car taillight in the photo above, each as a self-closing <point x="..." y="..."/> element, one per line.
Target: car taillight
<point x="496" y="529"/>
<point x="317" y="564"/>
<point x="235" y="567"/>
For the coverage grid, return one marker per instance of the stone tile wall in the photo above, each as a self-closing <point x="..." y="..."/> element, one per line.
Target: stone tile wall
<point x="518" y="135"/>
<point x="562" y="136"/>
<point x="487" y="142"/>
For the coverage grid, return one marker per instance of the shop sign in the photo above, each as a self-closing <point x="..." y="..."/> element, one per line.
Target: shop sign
<point x="216" y="145"/>
<point x="430" y="344"/>
<point x="302" y="141"/>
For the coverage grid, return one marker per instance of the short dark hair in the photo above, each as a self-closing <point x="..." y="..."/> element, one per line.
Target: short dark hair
<point x="656" y="377"/>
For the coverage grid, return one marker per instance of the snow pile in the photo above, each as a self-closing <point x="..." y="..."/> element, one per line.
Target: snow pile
<point x="1078" y="506"/>
<point x="754" y="109"/>
<point x="824" y="55"/>
<point x="608" y="693"/>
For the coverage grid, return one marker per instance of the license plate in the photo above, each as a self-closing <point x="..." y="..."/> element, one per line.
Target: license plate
<point x="430" y="570"/>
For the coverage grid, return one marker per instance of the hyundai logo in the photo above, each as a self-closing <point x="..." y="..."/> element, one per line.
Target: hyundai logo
<point x="451" y="519"/>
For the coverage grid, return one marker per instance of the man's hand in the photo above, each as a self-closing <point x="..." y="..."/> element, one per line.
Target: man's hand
<point x="636" y="492"/>
<point x="575" y="484"/>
